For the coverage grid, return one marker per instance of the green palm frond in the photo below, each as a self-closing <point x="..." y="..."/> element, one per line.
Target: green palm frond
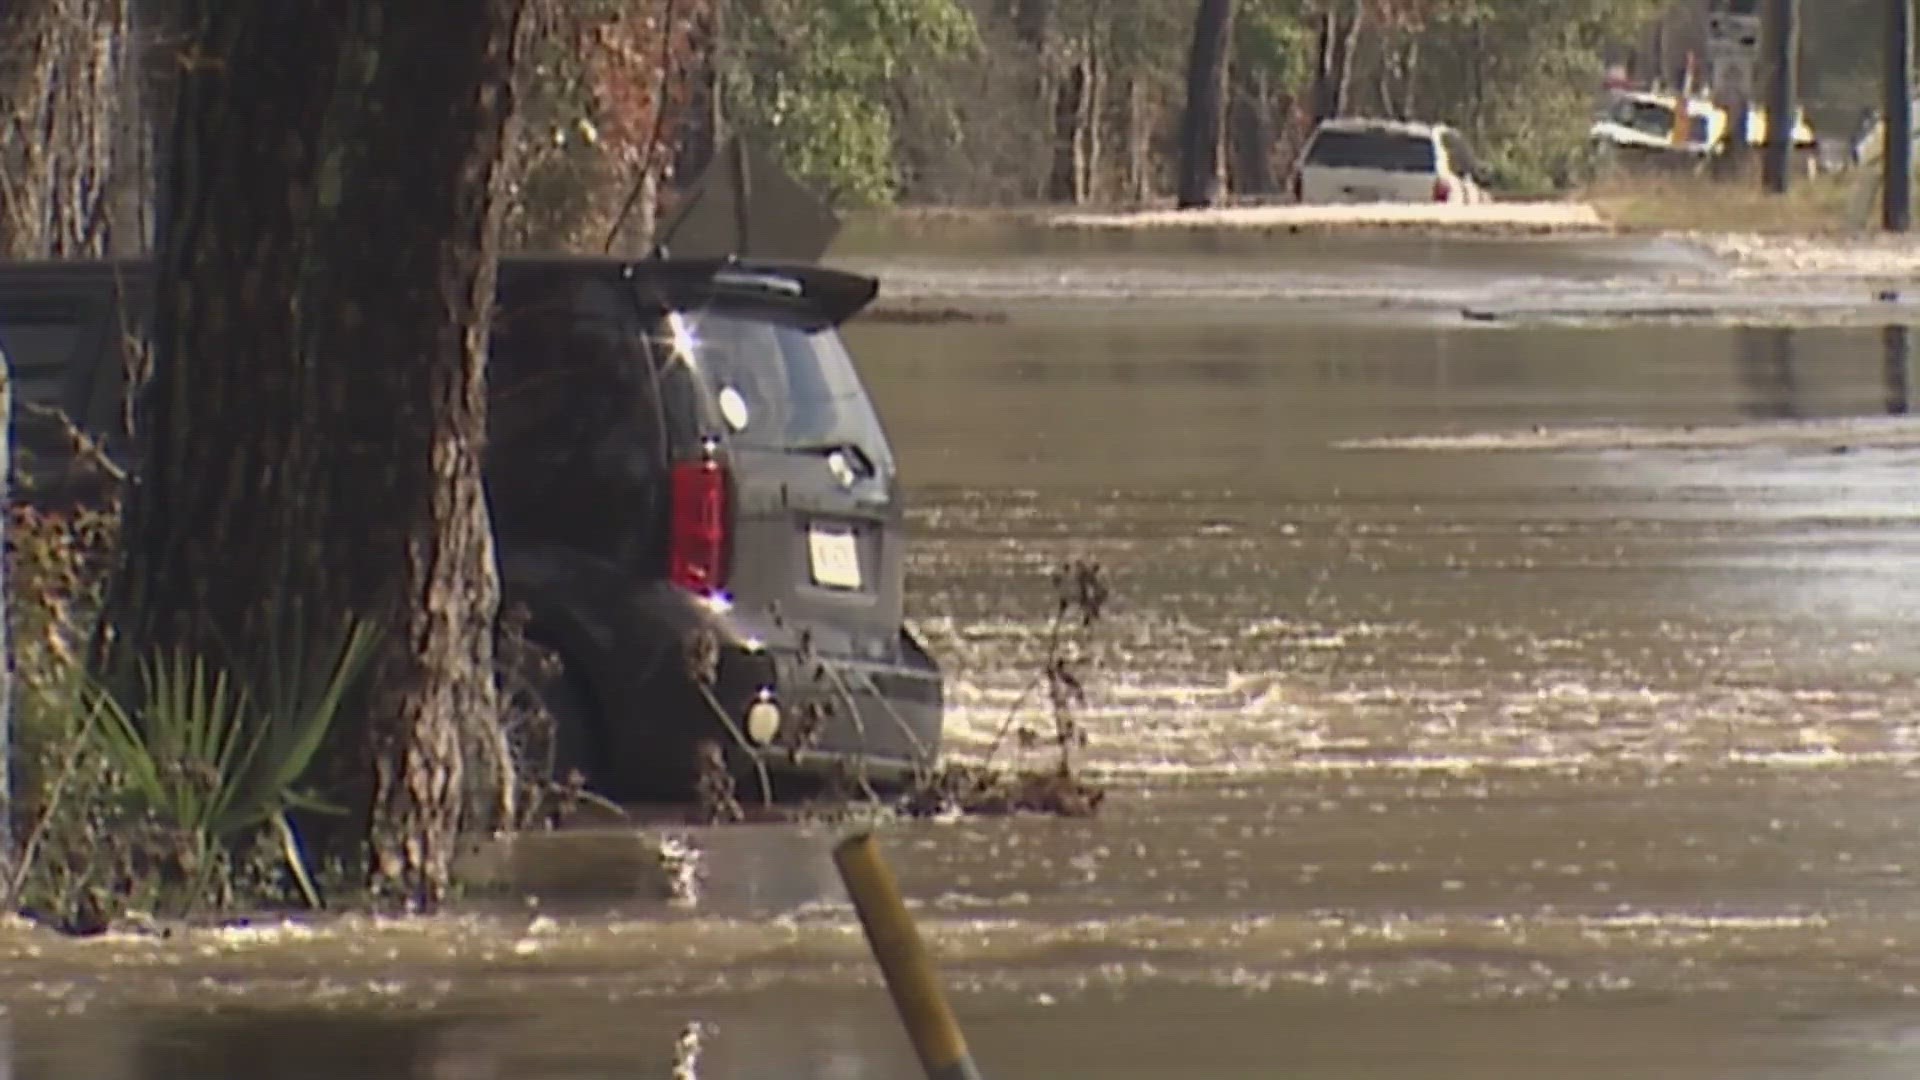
<point x="214" y="759"/>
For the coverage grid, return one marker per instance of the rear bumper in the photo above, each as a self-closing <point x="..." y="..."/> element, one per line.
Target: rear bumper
<point x="871" y="706"/>
<point x="881" y="719"/>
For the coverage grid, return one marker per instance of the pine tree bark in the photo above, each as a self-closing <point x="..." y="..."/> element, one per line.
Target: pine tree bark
<point x="313" y="427"/>
<point x="59" y="120"/>
<point x="1200" y="127"/>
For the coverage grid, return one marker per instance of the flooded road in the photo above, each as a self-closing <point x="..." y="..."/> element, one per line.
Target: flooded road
<point x="1480" y="699"/>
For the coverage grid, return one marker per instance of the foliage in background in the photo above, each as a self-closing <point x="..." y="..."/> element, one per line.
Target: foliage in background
<point x="1022" y="101"/>
<point x="996" y="102"/>
<point x="1842" y="59"/>
<point x="1521" y="80"/>
<point x="819" y="81"/>
<point x="602" y="85"/>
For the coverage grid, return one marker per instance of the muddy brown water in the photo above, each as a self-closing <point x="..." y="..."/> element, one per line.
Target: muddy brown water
<point x="1480" y="700"/>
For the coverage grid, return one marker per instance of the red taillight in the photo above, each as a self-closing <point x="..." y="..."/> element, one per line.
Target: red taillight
<point x="1442" y="191"/>
<point x="697" y="545"/>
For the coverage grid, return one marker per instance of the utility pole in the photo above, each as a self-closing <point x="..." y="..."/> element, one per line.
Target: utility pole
<point x="1896" y="207"/>
<point x="1783" y="106"/>
<point x="1734" y="32"/>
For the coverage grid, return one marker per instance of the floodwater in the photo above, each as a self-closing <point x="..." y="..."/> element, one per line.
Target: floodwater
<point x="1503" y="698"/>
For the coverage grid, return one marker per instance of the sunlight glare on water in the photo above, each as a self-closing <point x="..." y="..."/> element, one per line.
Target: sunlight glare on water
<point x="1478" y="701"/>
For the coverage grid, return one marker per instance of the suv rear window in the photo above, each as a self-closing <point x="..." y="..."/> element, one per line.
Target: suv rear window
<point x="799" y="387"/>
<point x="1387" y="151"/>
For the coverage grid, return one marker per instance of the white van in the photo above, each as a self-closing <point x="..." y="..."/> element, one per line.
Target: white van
<point x="1352" y="160"/>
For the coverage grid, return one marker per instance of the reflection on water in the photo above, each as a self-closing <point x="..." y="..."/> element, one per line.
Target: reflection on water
<point x="1186" y="1034"/>
<point x="1769" y="360"/>
<point x="305" y="1046"/>
<point x="1458" y="758"/>
<point x="1766" y="358"/>
<point x="1899" y="369"/>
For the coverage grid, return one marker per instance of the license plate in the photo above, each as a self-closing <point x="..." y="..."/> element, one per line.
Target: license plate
<point x="835" y="557"/>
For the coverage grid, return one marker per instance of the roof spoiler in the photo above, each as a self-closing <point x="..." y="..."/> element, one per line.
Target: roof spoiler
<point x="835" y="295"/>
<point x="838" y="295"/>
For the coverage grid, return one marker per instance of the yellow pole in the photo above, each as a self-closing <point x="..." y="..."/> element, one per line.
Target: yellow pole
<point x="904" y="961"/>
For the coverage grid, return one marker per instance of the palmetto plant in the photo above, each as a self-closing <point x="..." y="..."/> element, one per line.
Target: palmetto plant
<point x="214" y="759"/>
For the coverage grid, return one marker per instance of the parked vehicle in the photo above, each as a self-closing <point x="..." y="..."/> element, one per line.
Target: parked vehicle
<point x="1352" y="160"/>
<point x="1647" y="123"/>
<point x="679" y="451"/>
<point x="1648" y="120"/>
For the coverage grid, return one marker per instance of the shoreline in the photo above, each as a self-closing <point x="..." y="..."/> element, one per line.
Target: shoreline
<point x="1515" y="219"/>
<point x="1569" y="261"/>
<point x="1830" y="209"/>
<point x="1523" y="218"/>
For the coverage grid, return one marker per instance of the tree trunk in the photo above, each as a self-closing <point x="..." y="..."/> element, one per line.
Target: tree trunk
<point x="1092" y="111"/>
<point x="1254" y="136"/>
<point x="7" y="848"/>
<point x="1410" y="81"/>
<point x="1222" y="133"/>
<point x="1326" y="64"/>
<point x="1206" y="92"/>
<point x="1067" y="182"/>
<point x="1349" y="54"/>
<point x="1399" y="67"/>
<point x="1383" y="84"/>
<point x="313" y="425"/>
<point x="1139" y="141"/>
<point x="1033" y="24"/>
<point x="1337" y="42"/>
<point x="1076" y="128"/>
<point x="59" y="101"/>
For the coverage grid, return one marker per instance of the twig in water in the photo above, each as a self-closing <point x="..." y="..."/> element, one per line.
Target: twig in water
<point x="1081" y="596"/>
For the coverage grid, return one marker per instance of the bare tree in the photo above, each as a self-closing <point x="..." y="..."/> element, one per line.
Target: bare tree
<point x="1337" y="44"/>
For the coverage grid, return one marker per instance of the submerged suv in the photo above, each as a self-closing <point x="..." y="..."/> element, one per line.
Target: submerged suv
<point x="695" y="504"/>
<point x="1355" y="160"/>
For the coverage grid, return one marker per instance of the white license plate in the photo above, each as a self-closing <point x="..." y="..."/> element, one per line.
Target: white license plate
<point x="835" y="557"/>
